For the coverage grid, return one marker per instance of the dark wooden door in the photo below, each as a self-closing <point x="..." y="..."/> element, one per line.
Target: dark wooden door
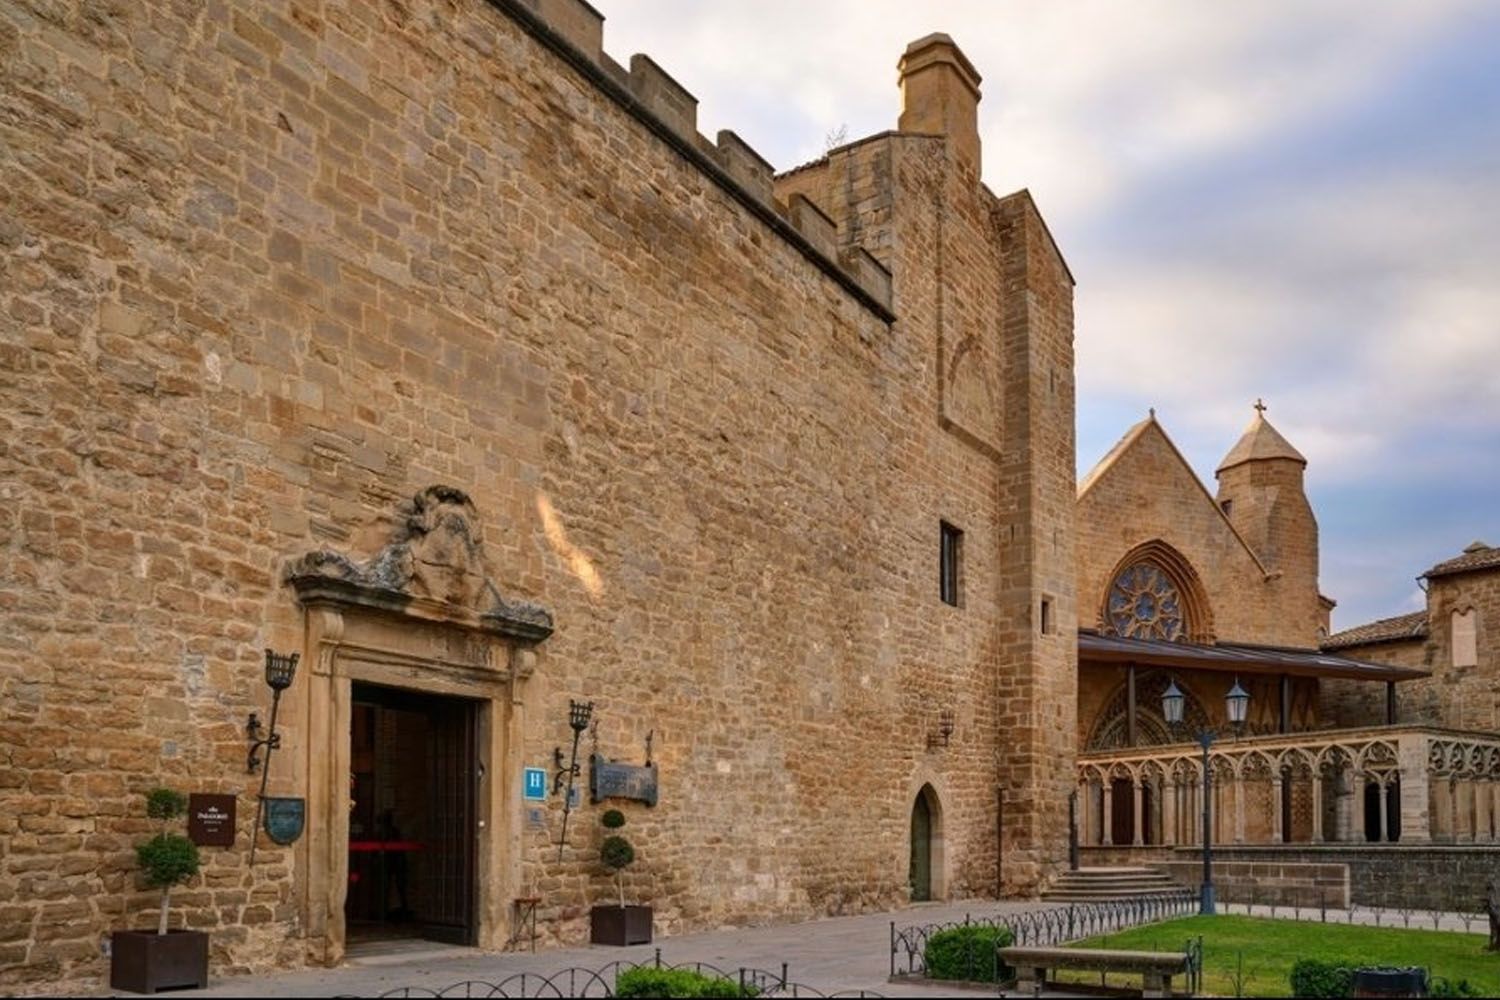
<point x="921" y="850"/>
<point x="449" y="864"/>
<point x="1122" y="812"/>
<point x="1148" y="814"/>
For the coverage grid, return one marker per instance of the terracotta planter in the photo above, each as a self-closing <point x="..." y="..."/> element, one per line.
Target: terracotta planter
<point x="145" y="961"/>
<point x="620" y="925"/>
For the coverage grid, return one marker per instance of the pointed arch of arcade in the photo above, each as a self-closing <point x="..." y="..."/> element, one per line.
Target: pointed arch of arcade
<point x="1108" y="731"/>
<point x="1198" y="616"/>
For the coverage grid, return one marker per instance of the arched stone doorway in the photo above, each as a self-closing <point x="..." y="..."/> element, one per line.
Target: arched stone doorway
<point x="924" y="873"/>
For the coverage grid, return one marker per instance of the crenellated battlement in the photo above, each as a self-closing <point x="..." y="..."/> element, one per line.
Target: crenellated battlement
<point x="575" y="30"/>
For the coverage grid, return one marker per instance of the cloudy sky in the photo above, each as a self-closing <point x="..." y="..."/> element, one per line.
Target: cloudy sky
<point x="1293" y="201"/>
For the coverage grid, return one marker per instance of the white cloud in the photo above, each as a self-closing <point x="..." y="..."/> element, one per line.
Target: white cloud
<point x="1079" y="96"/>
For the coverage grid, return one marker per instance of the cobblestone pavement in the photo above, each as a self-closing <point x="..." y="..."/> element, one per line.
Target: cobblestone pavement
<point x="836" y="953"/>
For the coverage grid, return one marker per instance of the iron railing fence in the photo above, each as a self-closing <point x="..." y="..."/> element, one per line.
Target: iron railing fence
<point x="1194" y="951"/>
<point x="577" y="981"/>
<point x="1049" y="926"/>
<point x="1314" y="905"/>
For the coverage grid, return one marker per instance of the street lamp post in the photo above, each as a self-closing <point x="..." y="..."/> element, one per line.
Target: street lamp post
<point x="1236" y="703"/>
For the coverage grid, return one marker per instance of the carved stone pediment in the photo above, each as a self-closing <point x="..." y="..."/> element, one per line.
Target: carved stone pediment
<point x="433" y="568"/>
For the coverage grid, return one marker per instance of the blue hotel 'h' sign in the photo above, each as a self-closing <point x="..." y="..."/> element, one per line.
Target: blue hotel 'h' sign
<point x="535" y="783"/>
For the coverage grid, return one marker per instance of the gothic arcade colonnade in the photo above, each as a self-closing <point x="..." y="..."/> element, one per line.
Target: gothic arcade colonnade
<point x="1414" y="784"/>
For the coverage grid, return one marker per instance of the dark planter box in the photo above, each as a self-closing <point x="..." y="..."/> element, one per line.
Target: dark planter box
<point x="145" y="961"/>
<point x="620" y="925"/>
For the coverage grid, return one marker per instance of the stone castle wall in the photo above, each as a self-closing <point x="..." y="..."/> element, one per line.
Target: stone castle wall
<point x="269" y="271"/>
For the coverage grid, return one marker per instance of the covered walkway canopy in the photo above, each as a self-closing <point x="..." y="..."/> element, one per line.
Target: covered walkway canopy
<point x="1239" y="657"/>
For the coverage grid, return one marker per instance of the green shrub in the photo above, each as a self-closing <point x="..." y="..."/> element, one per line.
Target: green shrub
<point x="1314" y="978"/>
<point x="651" y="982"/>
<point x="1439" y="986"/>
<point x="165" y="803"/>
<point x="167" y="859"/>
<point x="616" y="853"/>
<point x="968" y="953"/>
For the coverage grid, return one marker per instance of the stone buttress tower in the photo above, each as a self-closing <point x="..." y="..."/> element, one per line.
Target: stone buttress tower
<point x="1261" y="491"/>
<point x="984" y="303"/>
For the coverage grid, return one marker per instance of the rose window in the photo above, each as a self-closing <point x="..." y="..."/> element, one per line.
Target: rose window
<point x="1144" y="604"/>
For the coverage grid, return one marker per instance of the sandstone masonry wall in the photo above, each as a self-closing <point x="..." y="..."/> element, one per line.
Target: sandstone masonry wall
<point x="1456" y="697"/>
<point x="1451" y="879"/>
<point x="264" y="271"/>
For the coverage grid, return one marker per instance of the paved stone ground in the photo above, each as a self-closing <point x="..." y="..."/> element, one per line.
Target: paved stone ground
<point x="837" y="953"/>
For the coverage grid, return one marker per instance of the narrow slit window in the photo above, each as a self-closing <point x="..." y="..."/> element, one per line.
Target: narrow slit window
<point x="1046" y="616"/>
<point x="950" y="552"/>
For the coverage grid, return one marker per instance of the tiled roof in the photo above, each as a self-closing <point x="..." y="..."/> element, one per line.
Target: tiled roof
<point x="1412" y="626"/>
<point x="1476" y="556"/>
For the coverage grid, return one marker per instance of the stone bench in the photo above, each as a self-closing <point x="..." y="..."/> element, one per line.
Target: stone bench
<point x="1156" y="968"/>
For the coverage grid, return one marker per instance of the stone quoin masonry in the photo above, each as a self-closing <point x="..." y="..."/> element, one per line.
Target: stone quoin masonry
<point x="428" y="342"/>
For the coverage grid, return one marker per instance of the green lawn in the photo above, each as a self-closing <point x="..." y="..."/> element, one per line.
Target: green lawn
<point x="1266" y="950"/>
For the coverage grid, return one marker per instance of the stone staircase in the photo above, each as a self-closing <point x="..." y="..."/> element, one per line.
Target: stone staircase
<point x="1093" y="885"/>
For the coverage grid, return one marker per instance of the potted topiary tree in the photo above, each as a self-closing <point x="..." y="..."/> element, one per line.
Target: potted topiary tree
<point x="147" y="961"/>
<point x="620" y="924"/>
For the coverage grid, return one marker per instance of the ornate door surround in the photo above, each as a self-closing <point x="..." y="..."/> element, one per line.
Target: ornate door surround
<point x="422" y="615"/>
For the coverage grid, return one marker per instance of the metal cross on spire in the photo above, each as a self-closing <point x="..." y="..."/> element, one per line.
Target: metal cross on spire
<point x="1260" y="407"/>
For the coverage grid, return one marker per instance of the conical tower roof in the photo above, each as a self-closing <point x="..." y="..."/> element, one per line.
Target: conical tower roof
<point x="1260" y="441"/>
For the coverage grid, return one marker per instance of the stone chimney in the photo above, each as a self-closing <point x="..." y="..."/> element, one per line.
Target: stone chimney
<point x="940" y="96"/>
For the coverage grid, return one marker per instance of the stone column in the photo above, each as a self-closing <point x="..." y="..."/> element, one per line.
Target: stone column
<point x="1484" y="802"/>
<point x="1194" y="823"/>
<point x="1442" y="808"/>
<point x="1416" y="815"/>
<point x="1463" y="810"/>
<point x="1140" y="819"/>
<point x="1276" y="809"/>
<point x="1317" y="806"/>
<point x="1107" y="801"/>
<point x="1239" y="810"/>
<point x="1343" y="808"/>
<point x="1085" y="832"/>
<point x="1494" y="788"/>
<point x="1169" y="812"/>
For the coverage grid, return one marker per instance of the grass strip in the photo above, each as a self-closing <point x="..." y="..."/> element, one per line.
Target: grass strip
<point x="1253" y="956"/>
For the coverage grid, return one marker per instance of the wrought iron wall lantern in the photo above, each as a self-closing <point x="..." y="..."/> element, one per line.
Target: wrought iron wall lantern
<point x="940" y="736"/>
<point x="281" y="669"/>
<point x="579" y="713"/>
<point x="279" y="673"/>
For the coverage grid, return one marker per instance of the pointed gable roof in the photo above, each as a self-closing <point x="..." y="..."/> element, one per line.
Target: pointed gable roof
<point x="1113" y="455"/>
<point x="1260" y="441"/>
<point x="1132" y="440"/>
